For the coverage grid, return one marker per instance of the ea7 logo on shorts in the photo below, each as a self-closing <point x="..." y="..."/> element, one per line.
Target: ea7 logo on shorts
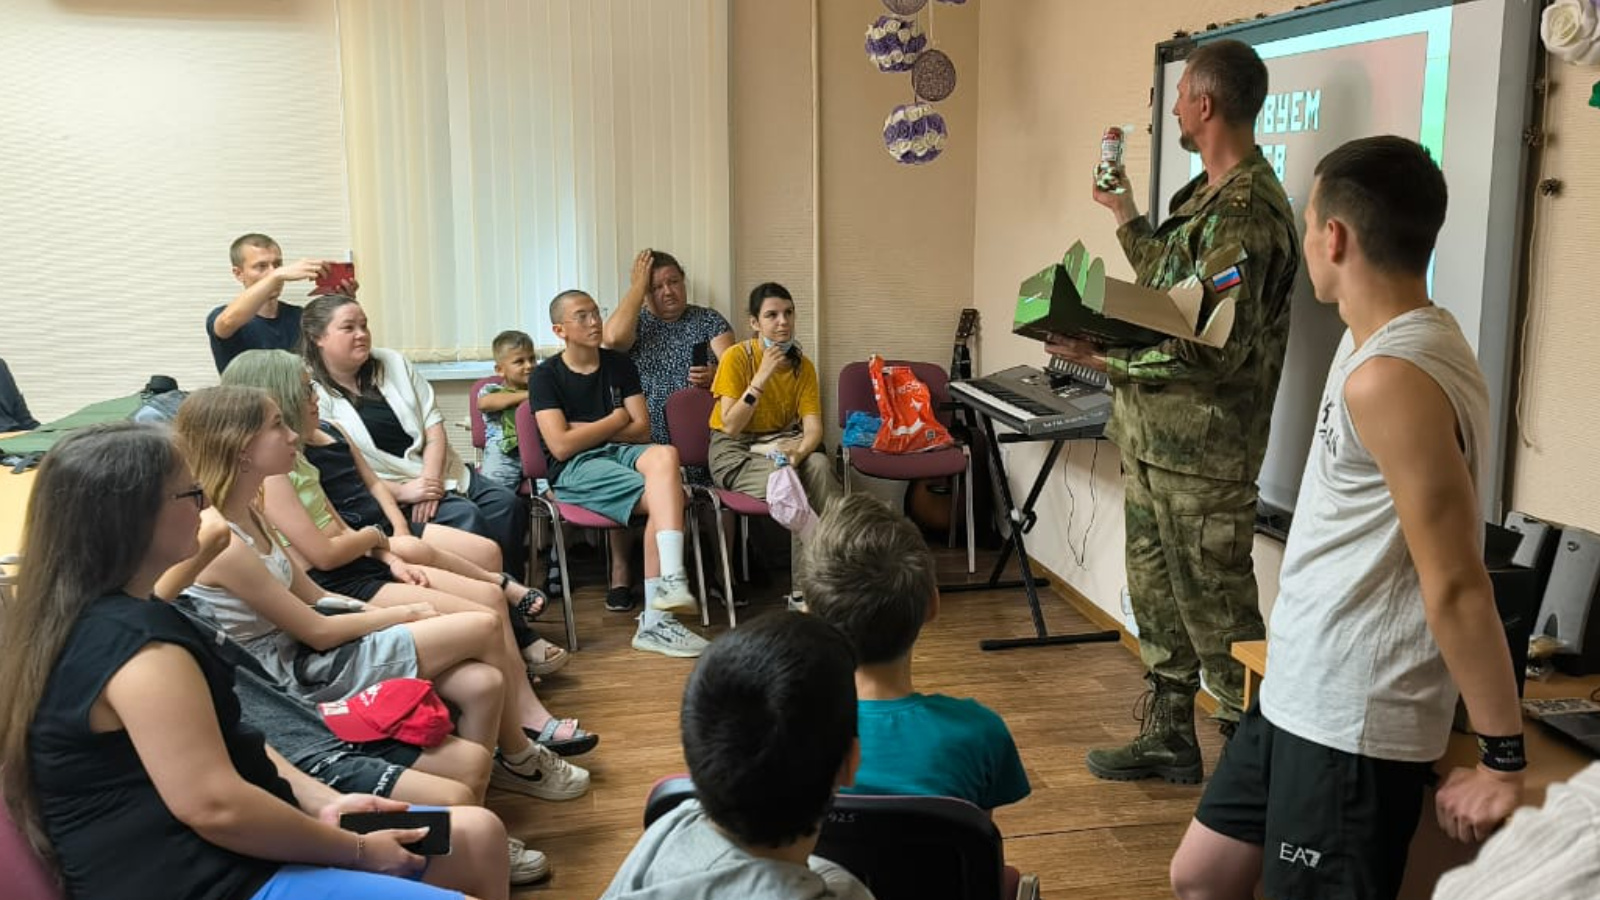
<point x="1303" y="856"/>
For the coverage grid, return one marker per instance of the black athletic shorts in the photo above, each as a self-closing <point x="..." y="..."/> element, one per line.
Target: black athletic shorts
<point x="1330" y="824"/>
<point x="373" y="768"/>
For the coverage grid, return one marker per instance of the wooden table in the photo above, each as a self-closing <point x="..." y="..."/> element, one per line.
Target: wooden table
<point x="1550" y="760"/>
<point x="1254" y="656"/>
<point x="14" y="492"/>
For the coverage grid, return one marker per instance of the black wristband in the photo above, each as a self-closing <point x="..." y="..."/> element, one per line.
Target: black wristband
<point x="1503" y="754"/>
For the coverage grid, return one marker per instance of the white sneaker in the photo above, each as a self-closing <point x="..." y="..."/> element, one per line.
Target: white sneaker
<point x="673" y="595"/>
<point x="527" y="866"/>
<point x="545" y="775"/>
<point x="668" y="637"/>
<point x="796" y="603"/>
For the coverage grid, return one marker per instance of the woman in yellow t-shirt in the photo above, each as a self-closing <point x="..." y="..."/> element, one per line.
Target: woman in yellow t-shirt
<point x="768" y="398"/>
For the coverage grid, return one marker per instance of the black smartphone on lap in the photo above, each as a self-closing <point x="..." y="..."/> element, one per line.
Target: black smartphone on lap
<point x="434" y="818"/>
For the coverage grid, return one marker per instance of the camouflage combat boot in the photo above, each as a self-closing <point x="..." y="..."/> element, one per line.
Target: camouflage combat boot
<point x="1166" y="746"/>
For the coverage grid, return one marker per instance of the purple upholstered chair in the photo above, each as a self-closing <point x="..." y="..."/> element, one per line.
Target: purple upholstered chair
<point x="855" y="393"/>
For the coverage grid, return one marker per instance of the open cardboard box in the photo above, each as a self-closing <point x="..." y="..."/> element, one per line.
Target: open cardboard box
<point x="1076" y="298"/>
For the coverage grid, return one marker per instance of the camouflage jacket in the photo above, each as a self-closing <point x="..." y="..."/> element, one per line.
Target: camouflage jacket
<point x="1190" y="408"/>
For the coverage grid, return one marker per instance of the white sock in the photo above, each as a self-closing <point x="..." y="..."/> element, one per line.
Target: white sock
<point x="520" y="757"/>
<point x="669" y="546"/>
<point x="651" y="617"/>
<point x="650" y="585"/>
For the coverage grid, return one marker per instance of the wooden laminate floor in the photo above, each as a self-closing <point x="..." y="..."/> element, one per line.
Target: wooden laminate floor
<point x="1084" y="837"/>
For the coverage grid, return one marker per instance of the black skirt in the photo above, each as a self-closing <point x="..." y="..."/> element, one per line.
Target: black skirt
<point x="360" y="578"/>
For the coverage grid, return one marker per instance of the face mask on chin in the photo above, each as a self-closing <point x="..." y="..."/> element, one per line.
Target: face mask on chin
<point x="785" y="346"/>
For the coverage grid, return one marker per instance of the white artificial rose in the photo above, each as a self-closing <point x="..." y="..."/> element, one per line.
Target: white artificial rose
<point x="1571" y="31"/>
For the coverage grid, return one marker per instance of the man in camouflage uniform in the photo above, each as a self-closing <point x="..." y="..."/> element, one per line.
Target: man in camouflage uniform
<point x="1192" y="421"/>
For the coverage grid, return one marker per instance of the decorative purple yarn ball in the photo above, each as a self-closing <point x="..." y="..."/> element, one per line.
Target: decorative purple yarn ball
<point x="914" y="134"/>
<point x="893" y="43"/>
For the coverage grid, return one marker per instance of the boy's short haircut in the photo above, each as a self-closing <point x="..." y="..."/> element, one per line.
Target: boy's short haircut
<point x="558" y="304"/>
<point x="768" y="720"/>
<point x="869" y="573"/>
<point x="507" y="341"/>
<point x="1391" y="194"/>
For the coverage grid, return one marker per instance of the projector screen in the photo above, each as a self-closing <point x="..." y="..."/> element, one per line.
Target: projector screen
<point x="1456" y="77"/>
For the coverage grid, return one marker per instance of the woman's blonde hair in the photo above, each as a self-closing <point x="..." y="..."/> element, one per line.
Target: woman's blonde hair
<point x="281" y="374"/>
<point x="214" y="426"/>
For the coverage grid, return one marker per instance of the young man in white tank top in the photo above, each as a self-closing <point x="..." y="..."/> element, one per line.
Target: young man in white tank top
<point x="1385" y="610"/>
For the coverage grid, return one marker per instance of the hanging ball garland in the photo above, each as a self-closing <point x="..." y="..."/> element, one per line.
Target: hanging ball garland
<point x="914" y="134"/>
<point x="893" y="44"/>
<point x="933" y="75"/>
<point x="905" y="7"/>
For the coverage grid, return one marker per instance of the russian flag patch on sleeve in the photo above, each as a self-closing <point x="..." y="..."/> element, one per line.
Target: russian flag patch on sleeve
<point x="1226" y="279"/>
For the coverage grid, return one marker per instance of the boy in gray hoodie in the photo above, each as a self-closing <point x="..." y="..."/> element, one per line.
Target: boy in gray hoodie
<point x="769" y="732"/>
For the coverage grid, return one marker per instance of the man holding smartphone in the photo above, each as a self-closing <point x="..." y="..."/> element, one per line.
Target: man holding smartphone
<point x="255" y="319"/>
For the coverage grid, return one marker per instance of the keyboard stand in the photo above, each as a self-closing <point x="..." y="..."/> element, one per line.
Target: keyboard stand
<point x="1022" y="520"/>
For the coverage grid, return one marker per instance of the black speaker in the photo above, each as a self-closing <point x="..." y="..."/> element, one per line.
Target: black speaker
<point x="1516" y="598"/>
<point x="1568" y="611"/>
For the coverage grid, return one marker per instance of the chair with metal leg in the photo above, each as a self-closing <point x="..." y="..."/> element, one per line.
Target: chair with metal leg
<point x="551" y="508"/>
<point x="689" y="428"/>
<point x="855" y="393"/>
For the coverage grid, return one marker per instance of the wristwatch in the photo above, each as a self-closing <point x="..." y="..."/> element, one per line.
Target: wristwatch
<point x="750" y="398"/>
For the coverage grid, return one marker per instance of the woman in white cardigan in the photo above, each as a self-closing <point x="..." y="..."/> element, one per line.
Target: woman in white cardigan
<point x="388" y="411"/>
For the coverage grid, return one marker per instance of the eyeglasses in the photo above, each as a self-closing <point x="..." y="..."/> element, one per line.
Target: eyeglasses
<point x="196" y="494"/>
<point x="585" y="317"/>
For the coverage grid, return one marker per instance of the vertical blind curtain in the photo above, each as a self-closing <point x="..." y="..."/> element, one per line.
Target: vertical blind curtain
<point x="501" y="151"/>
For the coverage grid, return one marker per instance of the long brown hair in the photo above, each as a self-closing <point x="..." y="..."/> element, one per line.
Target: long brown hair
<point x="214" y="426"/>
<point x="87" y="530"/>
<point x="314" y="322"/>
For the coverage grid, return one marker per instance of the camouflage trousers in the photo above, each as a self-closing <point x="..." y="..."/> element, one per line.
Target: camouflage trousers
<point x="1191" y="576"/>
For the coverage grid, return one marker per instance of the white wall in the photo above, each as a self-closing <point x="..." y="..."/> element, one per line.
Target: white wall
<point x="137" y="139"/>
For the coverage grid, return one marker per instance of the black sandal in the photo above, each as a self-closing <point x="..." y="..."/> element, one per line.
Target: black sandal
<point x="525" y="606"/>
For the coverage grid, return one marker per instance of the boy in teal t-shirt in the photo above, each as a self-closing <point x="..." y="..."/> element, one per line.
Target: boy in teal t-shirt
<point x="869" y="573"/>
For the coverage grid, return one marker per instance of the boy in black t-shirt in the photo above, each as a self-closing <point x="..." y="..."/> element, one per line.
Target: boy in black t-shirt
<point x="595" y="429"/>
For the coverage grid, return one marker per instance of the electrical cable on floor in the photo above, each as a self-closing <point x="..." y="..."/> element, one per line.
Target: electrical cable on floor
<point x="1080" y="552"/>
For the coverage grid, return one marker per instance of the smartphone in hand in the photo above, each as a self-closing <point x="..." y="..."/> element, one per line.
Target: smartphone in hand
<point x="434" y="818"/>
<point x="336" y="274"/>
<point x="701" y="354"/>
